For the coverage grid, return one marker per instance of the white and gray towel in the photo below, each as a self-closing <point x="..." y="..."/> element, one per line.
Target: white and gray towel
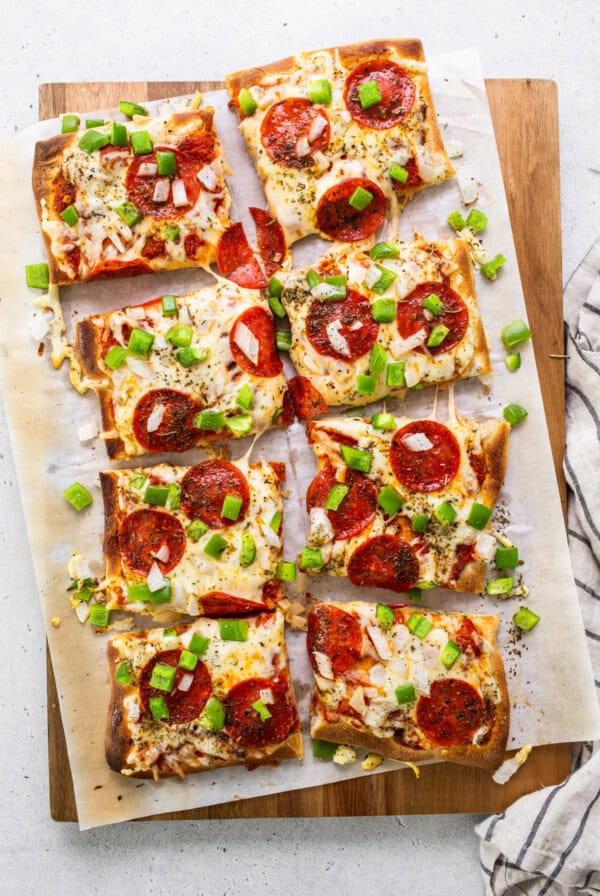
<point x="549" y="842"/>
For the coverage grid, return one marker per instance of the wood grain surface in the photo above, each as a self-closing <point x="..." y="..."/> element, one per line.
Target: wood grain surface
<point x="525" y="116"/>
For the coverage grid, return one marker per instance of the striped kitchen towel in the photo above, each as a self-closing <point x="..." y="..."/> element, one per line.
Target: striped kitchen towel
<point x="549" y="842"/>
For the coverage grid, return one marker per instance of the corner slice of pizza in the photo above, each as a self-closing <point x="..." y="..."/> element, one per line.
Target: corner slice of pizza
<point x="338" y="135"/>
<point x="201" y="540"/>
<point x="132" y="197"/>
<point x="401" y="503"/>
<point x="181" y="371"/>
<point x="189" y="699"/>
<point x="409" y="684"/>
<point x="366" y="325"/>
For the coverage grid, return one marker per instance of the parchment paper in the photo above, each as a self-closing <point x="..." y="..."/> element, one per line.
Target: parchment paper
<point x="549" y="673"/>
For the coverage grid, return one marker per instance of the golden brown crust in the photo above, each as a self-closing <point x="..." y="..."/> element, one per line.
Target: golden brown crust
<point x="116" y="736"/>
<point x="462" y="260"/>
<point x="88" y="346"/>
<point x="112" y="518"/>
<point x="495" y="436"/>
<point x="46" y="159"/>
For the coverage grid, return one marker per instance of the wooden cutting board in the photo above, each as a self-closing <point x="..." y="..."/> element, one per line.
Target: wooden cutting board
<point x="525" y="115"/>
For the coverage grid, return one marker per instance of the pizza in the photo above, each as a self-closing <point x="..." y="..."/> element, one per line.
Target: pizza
<point x="131" y="197"/>
<point x="201" y="540"/>
<point x="181" y="371"/>
<point x="399" y="503"/>
<point x="339" y="136"/>
<point x="408" y="684"/>
<point x="192" y="698"/>
<point x="368" y="324"/>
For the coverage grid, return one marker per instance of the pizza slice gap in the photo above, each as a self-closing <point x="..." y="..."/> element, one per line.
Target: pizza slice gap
<point x="342" y="135"/>
<point x="405" y="504"/>
<point x="201" y="540"/>
<point x="409" y="684"/>
<point x="132" y="197"/>
<point x="367" y="324"/>
<point x="195" y="698"/>
<point x="182" y="371"/>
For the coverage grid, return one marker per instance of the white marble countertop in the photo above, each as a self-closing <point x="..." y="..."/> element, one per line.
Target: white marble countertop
<point x="61" y="41"/>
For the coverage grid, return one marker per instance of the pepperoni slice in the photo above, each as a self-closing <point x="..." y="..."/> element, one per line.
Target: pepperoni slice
<point x="468" y="637"/>
<point x="354" y="308"/>
<point x="454" y="315"/>
<point x="143" y="533"/>
<point x="175" y="431"/>
<point x="397" y="94"/>
<point x="235" y="258"/>
<point x="340" y="220"/>
<point x="425" y="471"/>
<point x="184" y="706"/>
<point x="452" y="712"/>
<point x="244" y="724"/>
<point x="260" y="323"/>
<point x="205" y="487"/>
<point x="335" y="633"/>
<point x="385" y="561"/>
<point x="270" y="239"/>
<point x="357" y="509"/>
<point x="306" y="399"/>
<point x="287" y="129"/>
<point x="190" y="157"/>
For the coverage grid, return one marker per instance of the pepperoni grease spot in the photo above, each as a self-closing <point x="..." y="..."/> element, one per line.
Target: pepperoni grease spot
<point x="285" y="124"/>
<point x="350" y="310"/>
<point x="175" y="431"/>
<point x="184" y="706"/>
<point x="385" y="561"/>
<point x="244" y="724"/>
<point x="454" y="315"/>
<point x="340" y="220"/>
<point x="357" y="509"/>
<point x="425" y="471"/>
<point x="205" y="487"/>
<point x="335" y="633"/>
<point x="397" y="94"/>
<point x="141" y="535"/>
<point x="260" y="323"/>
<point x="452" y="713"/>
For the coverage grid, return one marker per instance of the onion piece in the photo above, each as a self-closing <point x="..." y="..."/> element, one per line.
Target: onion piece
<point x="161" y="191"/>
<point x="156" y="417"/>
<point x="402" y="346"/>
<point x="357" y="701"/>
<point x="147" y="169"/>
<point x="87" y="431"/>
<point x="317" y="126"/>
<point x="357" y="325"/>
<point x="302" y="147"/>
<point x="417" y="441"/>
<point x="323" y="665"/>
<point x="271" y="537"/>
<point x="377" y="674"/>
<point x="82" y="612"/>
<point x="338" y="342"/>
<point x="380" y="642"/>
<point x="116" y="241"/>
<point x="179" y="193"/>
<point x="155" y="580"/>
<point x="321" y="161"/>
<point x="468" y="186"/>
<point x="137" y="312"/>
<point x="246" y="341"/>
<point x="324" y="291"/>
<point x="207" y="177"/>
<point x="163" y="553"/>
<point x="185" y="682"/>
<point x="138" y="368"/>
<point x="485" y="546"/>
<point x="321" y="530"/>
<point x="373" y="276"/>
<point x="454" y="148"/>
<point x="266" y="695"/>
<point x="510" y="766"/>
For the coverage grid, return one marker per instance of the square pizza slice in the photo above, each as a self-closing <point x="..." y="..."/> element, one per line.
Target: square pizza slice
<point x="340" y="135"/>
<point x="201" y="540"/>
<point x="132" y="197"/>
<point x="366" y="325"/>
<point x="407" y="684"/>
<point x="399" y="503"/>
<point x="181" y="371"/>
<point x="206" y="696"/>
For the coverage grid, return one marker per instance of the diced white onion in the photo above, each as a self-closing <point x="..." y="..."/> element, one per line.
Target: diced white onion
<point x="380" y="642"/>
<point x="454" y="148"/>
<point x="39" y="326"/>
<point x="271" y="537"/>
<point x="323" y="665"/>
<point x="431" y="655"/>
<point x="147" y="169"/>
<point x="179" y="194"/>
<point x="137" y="312"/>
<point x="377" y="674"/>
<point x="400" y="637"/>
<point x="82" y="611"/>
<point x="317" y="126"/>
<point x="485" y="546"/>
<point x="78" y="567"/>
<point x="321" y="530"/>
<point x="510" y="766"/>
<point x="266" y="696"/>
<point x="116" y="241"/>
<point x="324" y="291"/>
<point x="114" y="156"/>
<point x="155" y="578"/>
<point x="402" y="346"/>
<point x="156" y="417"/>
<point x="357" y="325"/>
<point x="161" y="190"/>
<point x="163" y="553"/>
<point x="186" y="638"/>
<point x="417" y="441"/>
<point x="185" y="682"/>
<point x="246" y="341"/>
<point x="159" y="341"/>
<point x="134" y="712"/>
<point x="420" y="676"/>
<point x="427" y="314"/>
<point x="87" y="431"/>
<point x="373" y="276"/>
<point x="321" y="161"/>
<point x="411" y="375"/>
<point x="339" y="343"/>
<point x="468" y="186"/>
<point x="138" y="368"/>
<point x="207" y="177"/>
<point x="302" y="147"/>
<point x="357" y="701"/>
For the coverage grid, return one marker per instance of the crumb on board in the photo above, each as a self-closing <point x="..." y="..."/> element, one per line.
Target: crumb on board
<point x="370" y="762"/>
<point x="55" y="621"/>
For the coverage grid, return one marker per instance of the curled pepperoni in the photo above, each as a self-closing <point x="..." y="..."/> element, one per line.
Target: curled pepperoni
<point x="385" y="561"/>
<point x="335" y="633"/>
<point x="468" y="637"/>
<point x="219" y="603"/>
<point x="270" y="239"/>
<point x="351" y="310"/>
<point x="64" y="193"/>
<point x="340" y="220"/>
<point x="205" y="487"/>
<point x="140" y="187"/>
<point x="184" y="706"/>
<point x="454" y="315"/>
<point x="397" y="94"/>
<point x="143" y="533"/>
<point x="260" y="323"/>
<point x="245" y="725"/>
<point x="452" y="712"/>
<point x="235" y="258"/>
<point x="306" y="399"/>
<point x="357" y="509"/>
<point x="430" y="470"/>
<point x="175" y="431"/>
<point x="287" y="129"/>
